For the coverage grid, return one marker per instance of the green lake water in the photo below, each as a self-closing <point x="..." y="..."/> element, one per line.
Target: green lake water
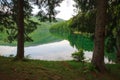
<point x="55" y="46"/>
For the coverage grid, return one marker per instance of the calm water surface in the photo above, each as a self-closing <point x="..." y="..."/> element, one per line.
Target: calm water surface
<point x="57" y="51"/>
<point x="61" y="50"/>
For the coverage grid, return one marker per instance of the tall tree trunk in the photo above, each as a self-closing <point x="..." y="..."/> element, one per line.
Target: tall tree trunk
<point x="20" y="24"/>
<point x="98" y="54"/>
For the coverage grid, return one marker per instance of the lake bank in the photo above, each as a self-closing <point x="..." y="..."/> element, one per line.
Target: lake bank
<point x="53" y="70"/>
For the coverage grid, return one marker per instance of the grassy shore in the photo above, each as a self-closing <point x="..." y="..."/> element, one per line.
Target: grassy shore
<point x="53" y="70"/>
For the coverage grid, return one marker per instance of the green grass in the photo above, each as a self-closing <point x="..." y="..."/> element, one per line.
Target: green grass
<point x="53" y="70"/>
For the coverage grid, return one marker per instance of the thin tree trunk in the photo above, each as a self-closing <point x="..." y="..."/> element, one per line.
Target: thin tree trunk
<point x="20" y="24"/>
<point x="98" y="54"/>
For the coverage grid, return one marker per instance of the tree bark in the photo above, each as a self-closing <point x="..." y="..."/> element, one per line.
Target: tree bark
<point x="20" y="24"/>
<point x="98" y="53"/>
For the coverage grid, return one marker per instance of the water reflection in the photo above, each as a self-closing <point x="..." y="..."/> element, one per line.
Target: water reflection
<point x="53" y="51"/>
<point x="61" y="50"/>
<point x="84" y="42"/>
<point x="76" y="40"/>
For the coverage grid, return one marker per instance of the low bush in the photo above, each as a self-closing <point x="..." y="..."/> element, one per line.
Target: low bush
<point x="78" y="56"/>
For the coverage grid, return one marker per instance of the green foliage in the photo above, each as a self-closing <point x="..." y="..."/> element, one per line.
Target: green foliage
<point x="60" y="27"/>
<point x="88" y="68"/>
<point x="109" y="44"/>
<point x="84" y="22"/>
<point x="41" y="35"/>
<point x="110" y="48"/>
<point x="9" y="20"/>
<point x="85" y="5"/>
<point x="76" y="40"/>
<point x="78" y="56"/>
<point x="47" y="9"/>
